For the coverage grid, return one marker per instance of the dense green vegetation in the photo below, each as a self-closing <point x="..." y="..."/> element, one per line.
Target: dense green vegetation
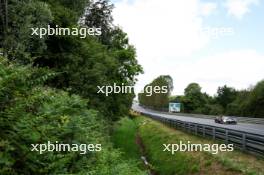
<point x="48" y="87"/>
<point x="33" y="113"/>
<point x="156" y="94"/>
<point x="49" y="92"/>
<point x="124" y="138"/>
<point x="228" y="101"/>
<point x="83" y="63"/>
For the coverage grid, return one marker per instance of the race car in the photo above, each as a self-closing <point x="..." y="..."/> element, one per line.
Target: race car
<point x="225" y="120"/>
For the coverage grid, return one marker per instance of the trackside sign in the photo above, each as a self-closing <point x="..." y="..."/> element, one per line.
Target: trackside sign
<point x="174" y="107"/>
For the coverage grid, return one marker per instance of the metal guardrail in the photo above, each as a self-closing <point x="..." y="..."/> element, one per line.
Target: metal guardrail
<point x="251" y="120"/>
<point x="239" y="119"/>
<point x="252" y="143"/>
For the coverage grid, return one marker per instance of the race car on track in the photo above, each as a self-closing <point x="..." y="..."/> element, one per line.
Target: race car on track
<point x="225" y="120"/>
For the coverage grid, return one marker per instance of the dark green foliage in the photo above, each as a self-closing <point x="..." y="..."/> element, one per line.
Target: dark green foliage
<point x="88" y="65"/>
<point x="99" y="14"/>
<point x="18" y="43"/>
<point x="57" y="99"/>
<point x="154" y="95"/>
<point x="242" y="103"/>
<point x="31" y="113"/>
<point x="83" y="64"/>
<point x="228" y="101"/>
<point x="239" y="106"/>
<point x="213" y="109"/>
<point x="194" y="100"/>
<point x="256" y="101"/>
<point x="74" y="8"/>
<point x="225" y="95"/>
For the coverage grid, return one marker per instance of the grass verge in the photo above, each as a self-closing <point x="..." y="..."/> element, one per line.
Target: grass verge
<point x="124" y="136"/>
<point x="124" y="139"/>
<point x="155" y="134"/>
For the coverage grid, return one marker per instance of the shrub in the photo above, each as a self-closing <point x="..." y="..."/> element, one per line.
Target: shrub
<point x="31" y="113"/>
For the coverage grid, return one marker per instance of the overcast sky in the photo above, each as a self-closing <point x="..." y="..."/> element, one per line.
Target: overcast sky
<point x="173" y="37"/>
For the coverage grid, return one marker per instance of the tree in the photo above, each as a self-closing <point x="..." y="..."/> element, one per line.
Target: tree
<point x="191" y="89"/>
<point x="66" y="108"/>
<point x="83" y="64"/>
<point x="239" y="106"/>
<point x="255" y="106"/>
<point x="194" y="99"/>
<point x="225" y="95"/>
<point x="16" y="39"/>
<point x="98" y="14"/>
<point x="33" y="114"/>
<point x="154" y="95"/>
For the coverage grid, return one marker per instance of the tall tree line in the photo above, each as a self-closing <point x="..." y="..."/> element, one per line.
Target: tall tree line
<point x="227" y="101"/>
<point x="83" y="64"/>
<point x="48" y="88"/>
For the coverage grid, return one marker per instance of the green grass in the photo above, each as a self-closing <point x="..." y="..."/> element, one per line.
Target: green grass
<point x="124" y="138"/>
<point x="163" y="162"/>
<point x="155" y="134"/>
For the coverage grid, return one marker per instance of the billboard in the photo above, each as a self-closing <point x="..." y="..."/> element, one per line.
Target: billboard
<point x="174" y="107"/>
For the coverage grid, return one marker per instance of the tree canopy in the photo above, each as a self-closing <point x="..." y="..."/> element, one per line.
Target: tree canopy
<point x="83" y="63"/>
<point x="48" y="87"/>
<point x="156" y="94"/>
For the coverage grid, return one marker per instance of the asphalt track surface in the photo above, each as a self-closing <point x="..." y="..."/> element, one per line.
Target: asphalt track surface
<point x="255" y="129"/>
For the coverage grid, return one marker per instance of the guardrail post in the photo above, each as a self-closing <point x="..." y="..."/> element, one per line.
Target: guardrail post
<point x="195" y="126"/>
<point x="214" y="133"/>
<point x="203" y="131"/>
<point x="244" y="141"/>
<point x="174" y="124"/>
<point x="226" y="136"/>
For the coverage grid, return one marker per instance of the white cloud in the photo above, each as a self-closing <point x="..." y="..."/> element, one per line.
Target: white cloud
<point x="208" y="8"/>
<point x="161" y="31"/>
<point x="238" y="68"/>
<point x="238" y="8"/>
<point x="162" y="28"/>
<point x="167" y="38"/>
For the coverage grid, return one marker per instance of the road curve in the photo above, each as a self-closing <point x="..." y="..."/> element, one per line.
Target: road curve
<point x="245" y="127"/>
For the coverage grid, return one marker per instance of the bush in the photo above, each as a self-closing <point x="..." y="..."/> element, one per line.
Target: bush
<point x="33" y="114"/>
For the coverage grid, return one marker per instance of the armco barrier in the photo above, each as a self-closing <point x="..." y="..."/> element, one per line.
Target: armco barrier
<point x="251" y="120"/>
<point x="244" y="141"/>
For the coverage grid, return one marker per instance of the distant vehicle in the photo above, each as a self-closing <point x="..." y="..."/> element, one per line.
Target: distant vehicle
<point x="225" y="120"/>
